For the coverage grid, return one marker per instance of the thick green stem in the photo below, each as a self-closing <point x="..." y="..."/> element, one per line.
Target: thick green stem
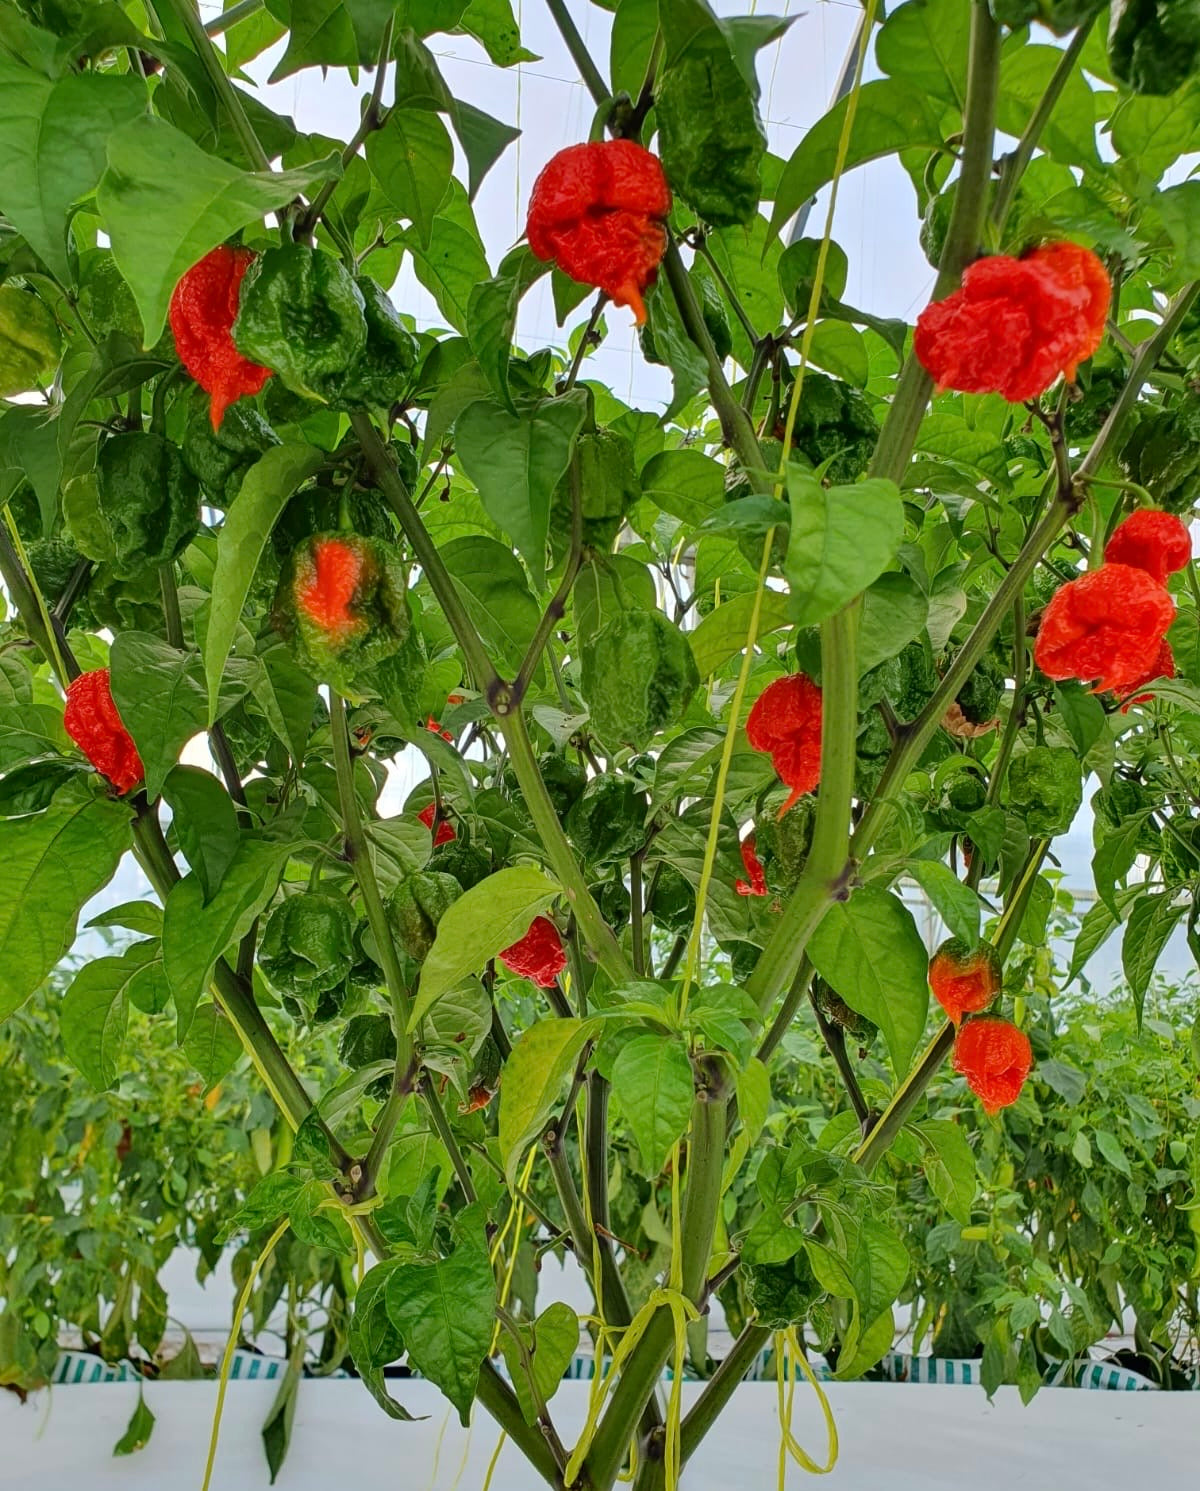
<point x="580" y="55"/>
<point x="963" y="235"/>
<point x="720" y="1387"/>
<point x="501" y="1402"/>
<point x="186" y="14"/>
<point x="1015" y="165"/>
<point x="592" y="926"/>
<point x="736" y="427"/>
<point x="706" y="1155"/>
<point x="825" y="874"/>
<point x="242" y="11"/>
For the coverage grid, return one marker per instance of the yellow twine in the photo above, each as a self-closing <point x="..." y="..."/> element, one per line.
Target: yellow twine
<point x="516" y="1214"/>
<point x="231" y="1344"/>
<point x="491" y="1470"/>
<point x="788" y="1356"/>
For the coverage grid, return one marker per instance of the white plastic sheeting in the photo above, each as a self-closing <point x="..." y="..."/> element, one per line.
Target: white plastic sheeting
<point x="892" y="1439"/>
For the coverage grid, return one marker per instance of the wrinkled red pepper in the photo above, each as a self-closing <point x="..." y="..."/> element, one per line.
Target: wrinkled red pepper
<point x="995" y="1058"/>
<point x="964" y="979"/>
<point x="92" y="722"/>
<point x="203" y="307"/>
<point x="756" y="885"/>
<point x="786" y="722"/>
<point x="1105" y="627"/>
<point x="1016" y="324"/>
<point x="1155" y="541"/>
<point x="599" y="212"/>
<point x="445" y="830"/>
<point x="538" y="955"/>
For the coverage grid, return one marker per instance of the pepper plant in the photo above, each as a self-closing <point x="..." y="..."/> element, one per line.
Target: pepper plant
<point x="695" y="688"/>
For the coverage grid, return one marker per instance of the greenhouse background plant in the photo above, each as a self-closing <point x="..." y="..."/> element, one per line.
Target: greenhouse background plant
<point x="434" y="541"/>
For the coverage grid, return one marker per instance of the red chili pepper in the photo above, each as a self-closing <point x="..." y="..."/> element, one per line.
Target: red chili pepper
<point x="538" y="955"/>
<point x="786" y="722"/>
<point x="1107" y="625"/>
<point x="964" y="979"/>
<point x="1016" y="324"/>
<point x="1164" y="667"/>
<point x="92" y="722"/>
<point x="445" y="830"/>
<point x="757" y="883"/>
<point x="1155" y="541"/>
<point x="203" y="307"/>
<point x="436" y="727"/>
<point x="995" y="1058"/>
<point x="326" y="597"/>
<point x="599" y="211"/>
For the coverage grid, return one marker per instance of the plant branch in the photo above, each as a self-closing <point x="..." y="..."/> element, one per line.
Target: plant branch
<point x="557" y="606"/>
<point x="441" y="1124"/>
<point x="580" y="55"/>
<point x="242" y="11"/>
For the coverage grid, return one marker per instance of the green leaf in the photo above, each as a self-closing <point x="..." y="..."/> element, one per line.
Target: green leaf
<point x="330" y="33"/>
<point x="1180" y="210"/>
<point x="483" y="139"/>
<point x="165" y="203"/>
<point x="891" y="116"/>
<point x="840" y="349"/>
<point x="957" y="904"/>
<point x="925" y="43"/>
<point x="1067" y="1081"/>
<point x="492" y="317"/>
<point x="1110" y="1147"/>
<point x="722" y="633"/>
<point x="895" y="611"/>
<point x="652" y="1081"/>
<point x="541" y="1059"/>
<point x="492" y="24"/>
<point x="31" y="788"/>
<point x="160" y="699"/>
<point x="489" y="578"/>
<point x="285" y="693"/>
<point x="551" y="1344"/>
<point x="1082" y="713"/>
<point x="445" y="1312"/>
<point x="373" y="1341"/>
<point x="212" y="1045"/>
<point x="412" y="158"/>
<point x="265" y="492"/>
<point x="949" y="1166"/>
<point x="1069" y="135"/>
<point x="277" y="1426"/>
<point x="516" y="461"/>
<point x="52" y="139"/>
<point x="634" y="28"/>
<point x="453" y="262"/>
<point x="205" y="823"/>
<point x="689" y="371"/>
<point x="869" y="950"/>
<point x="54" y="863"/>
<point x="685" y="483"/>
<point x="1114" y="859"/>
<point x="1151" y="921"/>
<point x="137" y="1431"/>
<point x="842" y="538"/>
<point x="481" y="923"/>
<point x="137" y="916"/>
<point x="196" y="933"/>
<point x="94" y="1013"/>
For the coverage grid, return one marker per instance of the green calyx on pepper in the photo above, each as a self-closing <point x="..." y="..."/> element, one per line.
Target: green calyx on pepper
<point x="341" y="605"/>
<point x="30" y="344"/>
<point x="638" y="675"/>
<point x="308" y="946"/>
<point x="417" y="905"/>
<point x="141" y="508"/>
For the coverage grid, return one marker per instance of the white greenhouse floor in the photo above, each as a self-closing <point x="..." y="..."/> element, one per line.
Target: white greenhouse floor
<point x="893" y="1438"/>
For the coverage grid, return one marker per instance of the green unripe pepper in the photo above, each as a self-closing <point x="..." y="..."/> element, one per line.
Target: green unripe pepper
<point x="30" y="344"/>
<point x="380" y="373"/>
<point x="565" y="780"/>
<point x="710" y="137"/>
<point x="609" y="820"/>
<point x="918" y="681"/>
<point x="416" y="906"/>
<point x="308" y="945"/>
<point x="781" y="1294"/>
<point x="614" y="903"/>
<point x="673" y="905"/>
<point x="608" y="488"/>
<point x="462" y="859"/>
<point x="1060" y="16"/>
<point x="1181" y="850"/>
<point x="341" y="606"/>
<point x="1114" y="805"/>
<point x="126" y="604"/>
<point x="318" y="509"/>
<point x="301" y="315"/>
<point x="219" y="459"/>
<point x="148" y="504"/>
<point x="1163" y="454"/>
<point x="53" y="561"/>
<point x="1154" y="45"/>
<point x="367" y="1039"/>
<point x="782" y="844"/>
<point x="712" y="308"/>
<point x="638" y="676"/>
<point x="1044" y="784"/>
<point x="835" y="420"/>
<point x="979" y="698"/>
